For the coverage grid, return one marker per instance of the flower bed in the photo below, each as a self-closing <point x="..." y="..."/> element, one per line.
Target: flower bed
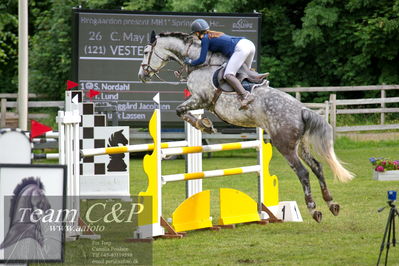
<point x="385" y="169"/>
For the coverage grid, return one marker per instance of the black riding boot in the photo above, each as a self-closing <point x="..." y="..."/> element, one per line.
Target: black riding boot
<point x="245" y="97"/>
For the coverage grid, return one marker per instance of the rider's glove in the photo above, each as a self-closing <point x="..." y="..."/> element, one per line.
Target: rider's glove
<point x="188" y="60"/>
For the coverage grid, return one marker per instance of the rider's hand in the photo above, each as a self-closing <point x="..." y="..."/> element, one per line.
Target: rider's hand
<point x="188" y="60"/>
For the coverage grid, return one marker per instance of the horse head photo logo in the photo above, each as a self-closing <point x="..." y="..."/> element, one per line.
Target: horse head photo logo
<point x="27" y="203"/>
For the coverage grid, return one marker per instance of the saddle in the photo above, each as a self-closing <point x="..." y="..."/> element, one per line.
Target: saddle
<point x="220" y="84"/>
<point x="242" y="75"/>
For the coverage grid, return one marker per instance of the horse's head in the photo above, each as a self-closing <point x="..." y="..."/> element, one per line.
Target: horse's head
<point x="25" y="221"/>
<point x="155" y="58"/>
<point x="160" y="50"/>
<point x="28" y="194"/>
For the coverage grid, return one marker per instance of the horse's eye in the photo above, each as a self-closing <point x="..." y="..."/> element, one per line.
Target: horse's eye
<point x="145" y="53"/>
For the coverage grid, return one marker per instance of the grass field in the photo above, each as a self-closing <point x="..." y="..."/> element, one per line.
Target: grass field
<point x="352" y="238"/>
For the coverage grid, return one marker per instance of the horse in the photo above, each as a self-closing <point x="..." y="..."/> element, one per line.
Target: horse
<point x="291" y="126"/>
<point x="28" y="196"/>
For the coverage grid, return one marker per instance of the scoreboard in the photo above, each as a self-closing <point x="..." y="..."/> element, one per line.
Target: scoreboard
<point x="108" y="49"/>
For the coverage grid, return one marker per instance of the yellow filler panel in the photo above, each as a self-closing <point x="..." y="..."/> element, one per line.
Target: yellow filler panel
<point x="270" y="183"/>
<point x="193" y="213"/>
<point x="237" y="207"/>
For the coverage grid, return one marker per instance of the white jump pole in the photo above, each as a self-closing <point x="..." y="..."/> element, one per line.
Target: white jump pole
<point x="193" y="160"/>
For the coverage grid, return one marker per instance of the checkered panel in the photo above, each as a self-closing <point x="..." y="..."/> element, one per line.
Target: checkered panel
<point x="100" y="174"/>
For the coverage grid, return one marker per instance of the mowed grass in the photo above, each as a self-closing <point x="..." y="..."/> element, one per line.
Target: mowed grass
<point x="352" y="238"/>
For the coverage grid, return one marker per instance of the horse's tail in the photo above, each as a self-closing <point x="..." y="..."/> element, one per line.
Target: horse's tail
<point x="319" y="134"/>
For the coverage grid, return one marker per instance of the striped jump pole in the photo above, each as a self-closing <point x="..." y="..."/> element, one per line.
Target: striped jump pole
<point x="211" y="173"/>
<point x="50" y="135"/>
<point x="211" y="148"/>
<point x="47" y="156"/>
<point x="47" y="135"/>
<point x="129" y="148"/>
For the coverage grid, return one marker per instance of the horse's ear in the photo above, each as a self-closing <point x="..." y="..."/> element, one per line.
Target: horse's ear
<point x="153" y="37"/>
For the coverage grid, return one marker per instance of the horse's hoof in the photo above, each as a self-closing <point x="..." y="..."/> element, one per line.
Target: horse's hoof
<point x="317" y="216"/>
<point x="334" y="208"/>
<point x="206" y="123"/>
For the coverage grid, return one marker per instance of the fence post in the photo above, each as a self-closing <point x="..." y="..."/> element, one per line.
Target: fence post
<point x="333" y="114"/>
<point x="383" y="95"/>
<point x="298" y="95"/>
<point x="327" y="111"/>
<point x="3" y="112"/>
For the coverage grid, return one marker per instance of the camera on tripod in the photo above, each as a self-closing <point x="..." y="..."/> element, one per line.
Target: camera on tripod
<point x="391" y="195"/>
<point x="389" y="234"/>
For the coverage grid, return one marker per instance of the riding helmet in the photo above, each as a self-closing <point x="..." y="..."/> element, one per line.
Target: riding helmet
<point x="199" y="25"/>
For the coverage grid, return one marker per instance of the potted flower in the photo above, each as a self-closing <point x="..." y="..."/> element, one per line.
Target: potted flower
<point x="385" y="169"/>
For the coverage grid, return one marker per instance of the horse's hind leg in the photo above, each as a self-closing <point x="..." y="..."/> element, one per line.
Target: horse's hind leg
<point x="303" y="175"/>
<point x="192" y="103"/>
<point x="317" y="169"/>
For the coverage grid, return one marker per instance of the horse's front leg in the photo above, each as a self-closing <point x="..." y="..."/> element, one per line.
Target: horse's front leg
<point x="192" y="103"/>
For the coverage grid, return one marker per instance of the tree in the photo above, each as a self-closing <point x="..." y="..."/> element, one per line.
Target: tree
<point x="8" y="48"/>
<point x="303" y="42"/>
<point x="355" y="40"/>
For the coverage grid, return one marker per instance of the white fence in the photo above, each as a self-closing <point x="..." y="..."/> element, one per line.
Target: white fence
<point x="332" y="109"/>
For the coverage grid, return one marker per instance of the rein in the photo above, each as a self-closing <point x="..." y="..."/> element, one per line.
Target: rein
<point x="147" y="68"/>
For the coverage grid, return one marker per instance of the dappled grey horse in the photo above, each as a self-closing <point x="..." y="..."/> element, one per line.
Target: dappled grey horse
<point x="290" y="125"/>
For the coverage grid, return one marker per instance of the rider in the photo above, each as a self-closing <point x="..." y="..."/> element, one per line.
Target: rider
<point x="239" y="50"/>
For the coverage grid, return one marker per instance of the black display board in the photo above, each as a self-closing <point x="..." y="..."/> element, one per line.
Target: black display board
<point x="108" y="49"/>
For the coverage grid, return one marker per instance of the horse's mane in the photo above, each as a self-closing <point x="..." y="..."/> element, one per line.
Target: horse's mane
<point x="28" y="181"/>
<point x="18" y="189"/>
<point x="180" y="35"/>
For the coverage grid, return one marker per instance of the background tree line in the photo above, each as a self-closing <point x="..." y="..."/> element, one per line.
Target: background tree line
<point x="303" y="42"/>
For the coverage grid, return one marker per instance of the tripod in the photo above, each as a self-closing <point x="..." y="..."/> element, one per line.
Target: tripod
<point x="389" y="230"/>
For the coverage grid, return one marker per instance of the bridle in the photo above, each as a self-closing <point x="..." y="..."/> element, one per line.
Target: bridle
<point x="147" y="68"/>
